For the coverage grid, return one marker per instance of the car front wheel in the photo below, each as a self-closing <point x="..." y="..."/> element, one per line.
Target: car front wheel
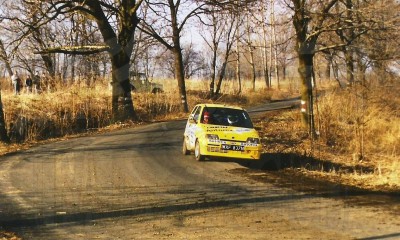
<point x="197" y="153"/>
<point x="185" y="151"/>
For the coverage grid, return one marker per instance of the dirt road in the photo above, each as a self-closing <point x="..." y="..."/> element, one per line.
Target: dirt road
<point x="136" y="184"/>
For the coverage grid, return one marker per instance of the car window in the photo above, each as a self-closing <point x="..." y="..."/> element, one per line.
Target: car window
<point x="228" y="117"/>
<point x="196" y="113"/>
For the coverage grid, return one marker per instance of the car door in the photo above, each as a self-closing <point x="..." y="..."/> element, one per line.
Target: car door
<point x="192" y="126"/>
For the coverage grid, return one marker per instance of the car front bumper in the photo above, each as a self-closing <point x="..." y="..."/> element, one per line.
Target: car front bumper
<point x="216" y="150"/>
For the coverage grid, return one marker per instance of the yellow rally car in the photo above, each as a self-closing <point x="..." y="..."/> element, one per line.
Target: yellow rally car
<point x="215" y="130"/>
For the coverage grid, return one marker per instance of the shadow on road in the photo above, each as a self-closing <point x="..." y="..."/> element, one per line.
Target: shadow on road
<point x="279" y="161"/>
<point x="386" y="236"/>
<point x="193" y="197"/>
<point x="287" y="170"/>
<point x="82" y="217"/>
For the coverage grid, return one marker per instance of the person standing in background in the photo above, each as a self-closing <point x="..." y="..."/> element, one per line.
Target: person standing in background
<point x="36" y="83"/>
<point x="16" y="82"/>
<point x="28" y="84"/>
<point x="44" y="83"/>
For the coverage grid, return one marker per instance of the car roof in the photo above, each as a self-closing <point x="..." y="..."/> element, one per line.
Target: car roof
<point x="219" y="106"/>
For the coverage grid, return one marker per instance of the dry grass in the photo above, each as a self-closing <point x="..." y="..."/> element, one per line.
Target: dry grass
<point x="8" y="236"/>
<point x="57" y="113"/>
<point x="359" y="138"/>
<point x="363" y="125"/>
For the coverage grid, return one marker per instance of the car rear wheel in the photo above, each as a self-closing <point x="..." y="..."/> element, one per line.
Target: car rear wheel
<point x="185" y="151"/>
<point x="197" y="153"/>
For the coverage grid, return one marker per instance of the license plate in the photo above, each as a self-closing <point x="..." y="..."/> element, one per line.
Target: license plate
<point x="232" y="147"/>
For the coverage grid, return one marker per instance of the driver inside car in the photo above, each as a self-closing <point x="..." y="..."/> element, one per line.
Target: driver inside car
<point x="207" y="118"/>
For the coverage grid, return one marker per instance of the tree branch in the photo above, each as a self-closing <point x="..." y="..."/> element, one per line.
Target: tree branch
<point x="79" y="50"/>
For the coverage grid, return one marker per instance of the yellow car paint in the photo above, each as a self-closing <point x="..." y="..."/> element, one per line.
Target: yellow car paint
<point x="230" y="134"/>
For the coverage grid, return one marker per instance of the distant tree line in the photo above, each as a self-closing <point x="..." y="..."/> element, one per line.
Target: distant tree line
<point x="207" y="39"/>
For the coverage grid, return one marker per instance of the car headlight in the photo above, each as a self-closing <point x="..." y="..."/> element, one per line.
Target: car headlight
<point x="252" y="140"/>
<point x="212" y="137"/>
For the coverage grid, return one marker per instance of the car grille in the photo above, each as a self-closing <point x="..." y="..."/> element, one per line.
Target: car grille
<point x="216" y="149"/>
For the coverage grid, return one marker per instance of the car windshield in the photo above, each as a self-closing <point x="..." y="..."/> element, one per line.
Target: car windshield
<point x="227" y="117"/>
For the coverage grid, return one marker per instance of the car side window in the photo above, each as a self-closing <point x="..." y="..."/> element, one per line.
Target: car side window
<point x="196" y="113"/>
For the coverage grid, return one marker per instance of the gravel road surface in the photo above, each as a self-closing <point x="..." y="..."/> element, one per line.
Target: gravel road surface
<point x="136" y="184"/>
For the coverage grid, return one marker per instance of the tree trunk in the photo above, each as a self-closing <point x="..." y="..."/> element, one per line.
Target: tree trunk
<point x="253" y="70"/>
<point x="3" y="132"/>
<point x="265" y="51"/>
<point x="221" y="77"/>
<point x="213" y="74"/>
<point x="122" y="105"/>
<point x="271" y="50"/>
<point x="120" y="51"/>
<point x="223" y="68"/>
<point x="272" y="6"/>
<point x="48" y="63"/>
<point x="251" y="52"/>
<point x="181" y="78"/>
<point x="284" y="72"/>
<point x="228" y="46"/>
<point x="348" y="52"/>
<point x="349" y="66"/>
<point x="305" y="48"/>
<point x="265" y="65"/>
<point x="329" y="60"/>
<point x="238" y="78"/>
<point x="4" y="57"/>
<point x="361" y="69"/>
<point x="306" y="68"/>
<point x="178" y="61"/>
<point x="214" y="48"/>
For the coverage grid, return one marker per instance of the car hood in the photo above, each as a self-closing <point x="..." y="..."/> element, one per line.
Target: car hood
<point x="231" y="133"/>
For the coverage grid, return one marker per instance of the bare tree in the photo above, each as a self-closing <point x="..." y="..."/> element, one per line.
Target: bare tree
<point x="313" y="18"/>
<point x="226" y="32"/>
<point x="29" y="38"/>
<point x="5" y="58"/>
<point x="117" y="22"/>
<point x="215" y="27"/>
<point x="308" y="21"/>
<point x="145" y="50"/>
<point x="274" y="49"/>
<point x="251" y="48"/>
<point x="265" y="44"/>
<point x="229" y="40"/>
<point x="3" y="132"/>
<point x="239" y="20"/>
<point x="376" y="33"/>
<point x="193" y="62"/>
<point x="166" y="62"/>
<point x="166" y="25"/>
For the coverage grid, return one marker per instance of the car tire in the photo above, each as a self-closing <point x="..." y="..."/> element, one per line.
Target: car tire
<point x="197" y="153"/>
<point x="185" y="151"/>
